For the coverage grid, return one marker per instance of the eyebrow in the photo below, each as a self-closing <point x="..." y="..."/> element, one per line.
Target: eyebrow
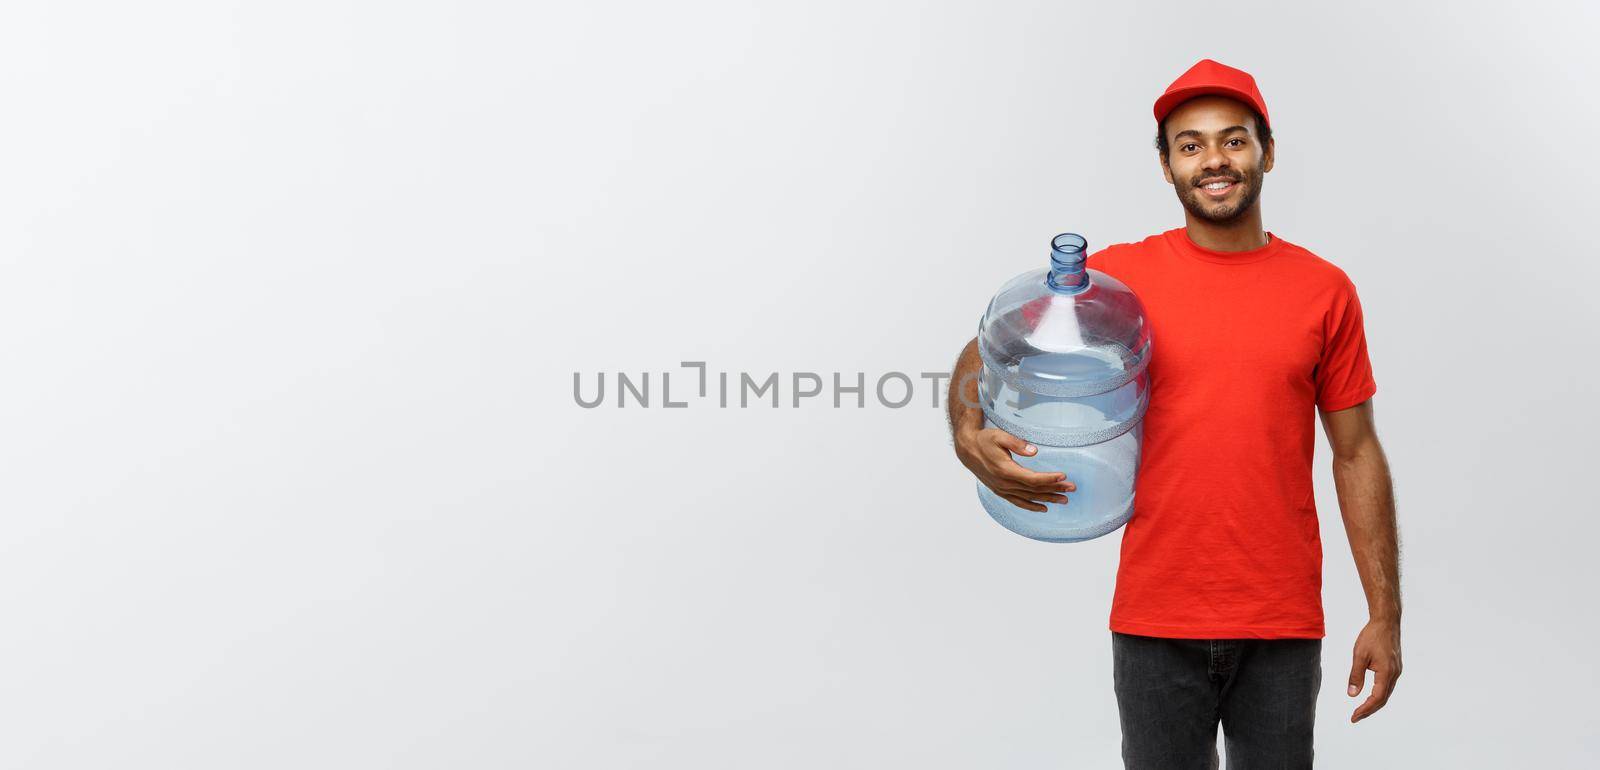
<point x="1197" y="134"/>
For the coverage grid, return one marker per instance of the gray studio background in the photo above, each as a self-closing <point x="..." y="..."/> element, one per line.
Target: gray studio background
<point x="293" y="295"/>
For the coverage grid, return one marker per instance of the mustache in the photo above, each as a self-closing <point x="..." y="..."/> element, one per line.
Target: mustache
<point x="1214" y="177"/>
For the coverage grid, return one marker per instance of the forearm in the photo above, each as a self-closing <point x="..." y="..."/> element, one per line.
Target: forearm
<point x="1366" y="501"/>
<point x="962" y="400"/>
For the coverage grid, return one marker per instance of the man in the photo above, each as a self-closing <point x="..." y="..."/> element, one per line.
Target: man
<point x="1217" y="614"/>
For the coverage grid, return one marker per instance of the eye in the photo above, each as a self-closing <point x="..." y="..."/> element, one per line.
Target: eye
<point x="1186" y="147"/>
<point x="1240" y="141"/>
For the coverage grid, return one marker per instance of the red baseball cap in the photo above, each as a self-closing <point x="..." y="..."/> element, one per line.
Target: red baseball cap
<point x="1212" y="77"/>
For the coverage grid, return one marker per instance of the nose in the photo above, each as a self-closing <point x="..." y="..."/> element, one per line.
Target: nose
<point x="1212" y="161"/>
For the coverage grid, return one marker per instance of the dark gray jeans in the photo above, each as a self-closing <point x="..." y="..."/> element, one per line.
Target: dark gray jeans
<point x="1172" y="693"/>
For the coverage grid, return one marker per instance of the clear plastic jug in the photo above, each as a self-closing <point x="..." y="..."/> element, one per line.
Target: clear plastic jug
<point x="1065" y="352"/>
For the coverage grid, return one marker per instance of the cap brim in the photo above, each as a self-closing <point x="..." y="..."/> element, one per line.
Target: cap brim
<point x="1172" y="99"/>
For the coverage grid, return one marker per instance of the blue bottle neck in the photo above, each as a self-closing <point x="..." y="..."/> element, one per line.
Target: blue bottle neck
<point x="1068" y="264"/>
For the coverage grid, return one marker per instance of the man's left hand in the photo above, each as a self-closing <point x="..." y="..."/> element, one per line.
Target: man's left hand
<point x="1377" y="650"/>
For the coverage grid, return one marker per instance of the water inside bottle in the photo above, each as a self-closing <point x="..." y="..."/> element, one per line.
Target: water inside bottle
<point x="1079" y="367"/>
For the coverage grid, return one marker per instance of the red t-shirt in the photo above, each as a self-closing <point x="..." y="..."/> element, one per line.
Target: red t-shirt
<point x="1224" y="541"/>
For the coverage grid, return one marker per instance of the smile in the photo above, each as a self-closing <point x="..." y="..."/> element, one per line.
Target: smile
<point x="1219" y="189"/>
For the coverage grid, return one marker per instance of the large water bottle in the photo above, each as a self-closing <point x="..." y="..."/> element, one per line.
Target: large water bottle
<point x="1064" y="356"/>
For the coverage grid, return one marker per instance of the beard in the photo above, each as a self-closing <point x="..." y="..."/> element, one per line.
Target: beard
<point x="1196" y="202"/>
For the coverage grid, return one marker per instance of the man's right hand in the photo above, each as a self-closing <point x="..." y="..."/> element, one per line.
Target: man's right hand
<point x="987" y="453"/>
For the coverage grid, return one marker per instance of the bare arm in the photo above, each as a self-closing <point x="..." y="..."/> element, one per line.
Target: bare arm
<point x="1366" y="502"/>
<point x="962" y="406"/>
<point x="987" y="451"/>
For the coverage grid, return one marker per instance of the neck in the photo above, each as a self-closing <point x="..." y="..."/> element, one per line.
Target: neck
<point x="1242" y="234"/>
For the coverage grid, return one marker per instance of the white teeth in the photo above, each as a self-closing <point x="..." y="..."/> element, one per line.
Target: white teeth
<point x="1217" y="185"/>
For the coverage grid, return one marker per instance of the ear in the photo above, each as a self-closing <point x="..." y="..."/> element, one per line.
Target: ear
<point x="1166" y="170"/>
<point x="1270" y="151"/>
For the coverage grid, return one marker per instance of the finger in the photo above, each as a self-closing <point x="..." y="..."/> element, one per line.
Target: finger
<point x="1382" y="685"/>
<point x="1358" y="674"/>
<point x="1049" y="493"/>
<point x="1364" y="710"/>
<point x="1014" y="444"/>
<point x="1383" y="678"/>
<point x="1051" y="484"/>
<point x="1373" y="702"/>
<point x="1019" y="476"/>
<point x="1038" y="497"/>
<point x="1024" y="504"/>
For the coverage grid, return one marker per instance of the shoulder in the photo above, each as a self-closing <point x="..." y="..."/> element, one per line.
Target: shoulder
<point x="1315" y="270"/>
<point x="1109" y="258"/>
<point x="1321" y="283"/>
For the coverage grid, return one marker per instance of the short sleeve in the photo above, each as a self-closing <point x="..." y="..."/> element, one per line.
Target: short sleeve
<point x="1344" y="373"/>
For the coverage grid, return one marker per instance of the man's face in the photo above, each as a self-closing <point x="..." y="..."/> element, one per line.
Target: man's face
<point x="1215" y="160"/>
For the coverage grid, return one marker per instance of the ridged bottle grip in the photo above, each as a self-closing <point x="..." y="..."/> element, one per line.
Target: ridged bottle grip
<point x="1061" y="437"/>
<point x="1061" y="389"/>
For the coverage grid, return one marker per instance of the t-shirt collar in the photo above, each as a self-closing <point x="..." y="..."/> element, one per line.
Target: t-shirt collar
<point x="1179" y="238"/>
